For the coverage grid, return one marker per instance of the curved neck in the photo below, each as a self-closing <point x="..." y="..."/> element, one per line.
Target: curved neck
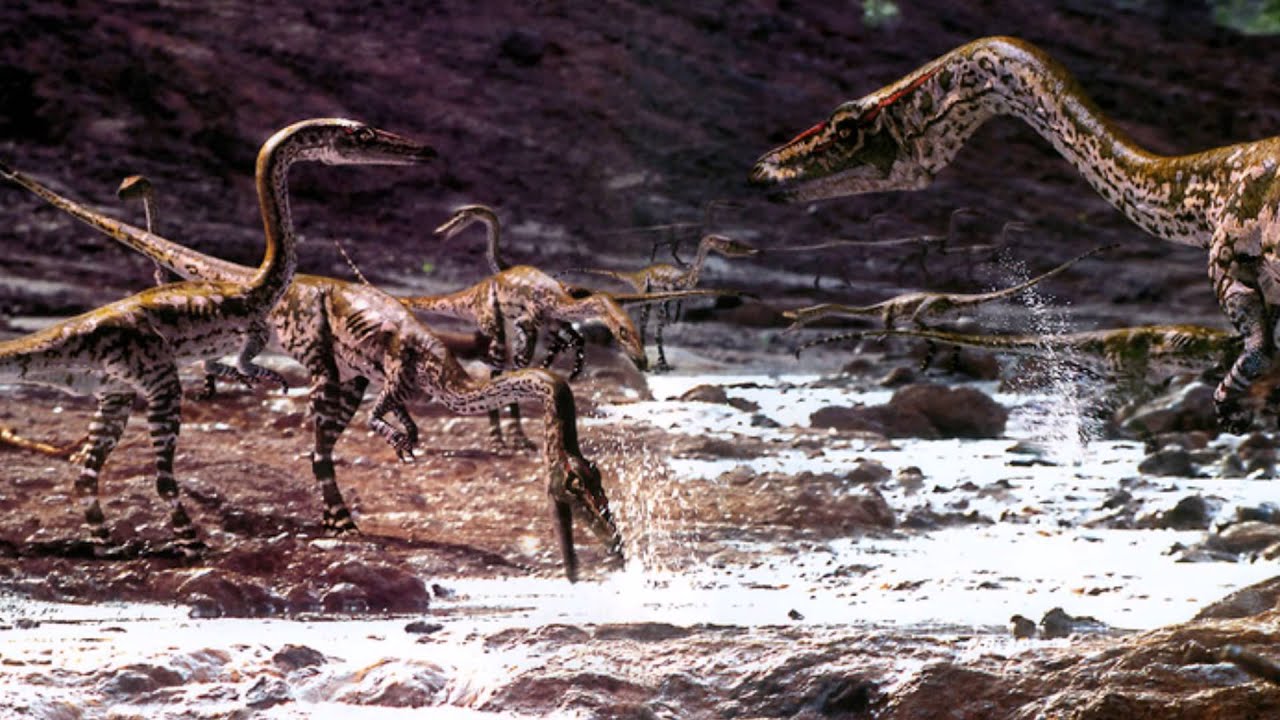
<point x="938" y="107"/>
<point x="280" y="259"/>
<point x="695" y="268"/>
<point x="494" y="234"/>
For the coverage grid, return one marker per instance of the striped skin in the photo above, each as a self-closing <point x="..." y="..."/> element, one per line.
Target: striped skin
<point x="1225" y="199"/>
<point x="918" y="306"/>
<point x="134" y="346"/>
<point x="1130" y="355"/>
<point x="529" y="300"/>
<point x="665" y="277"/>
<point x="346" y="334"/>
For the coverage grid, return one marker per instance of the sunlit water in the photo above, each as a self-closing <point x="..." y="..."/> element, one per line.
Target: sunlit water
<point x="968" y="577"/>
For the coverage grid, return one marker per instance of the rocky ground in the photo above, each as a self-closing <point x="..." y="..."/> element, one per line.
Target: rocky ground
<point x="586" y="126"/>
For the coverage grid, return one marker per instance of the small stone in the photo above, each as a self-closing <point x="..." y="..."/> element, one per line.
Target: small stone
<point x="795" y="614"/>
<point x="764" y="421"/>
<point x="345" y="598"/>
<point x="1193" y="512"/>
<point x="422" y="627"/>
<point x="897" y="377"/>
<point x="291" y="657"/>
<point x="1247" y="536"/>
<point x="1058" y="624"/>
<point x="1167" y="462"/>
<point x="1022" y="627"/>
<point x="707" y="394"/>
<point x="267" y="692"/>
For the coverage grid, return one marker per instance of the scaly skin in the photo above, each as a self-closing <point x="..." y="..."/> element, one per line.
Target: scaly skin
<point x="1130" y="355"/>
<point x="531" y="300"/>
<point x="663" y="277"/>
<point x="136" y="344"/>
<point x="918" y="306"/>
<point x="345" y="334"/>
<point x="1225" y="199"/>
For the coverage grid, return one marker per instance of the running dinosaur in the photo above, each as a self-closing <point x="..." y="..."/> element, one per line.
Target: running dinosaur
<point x="901" y="136"/>
<point x="667" y="277"/>
<point x="346" y="334"/>
<point x="1129" y="354"/>
<point x="135" y="345"/>
<point x="529" y="299"/>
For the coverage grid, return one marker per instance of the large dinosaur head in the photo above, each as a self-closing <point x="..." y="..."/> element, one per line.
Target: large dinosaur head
<point x="859" y="149"/>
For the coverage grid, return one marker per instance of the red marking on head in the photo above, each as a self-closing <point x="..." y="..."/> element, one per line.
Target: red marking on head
<point x="808" y="133"/>
<point x="894" y="97"/>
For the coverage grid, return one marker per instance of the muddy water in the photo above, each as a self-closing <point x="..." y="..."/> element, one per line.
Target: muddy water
<point x="713" y="615"/>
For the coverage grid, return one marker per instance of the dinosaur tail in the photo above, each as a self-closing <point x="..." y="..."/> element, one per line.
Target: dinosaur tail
<point x="351" y="263"/>
<point x="857" y="335"/>
<point x="1015" y="289"/>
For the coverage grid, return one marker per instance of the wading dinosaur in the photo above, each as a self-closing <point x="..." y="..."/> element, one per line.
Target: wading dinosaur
<point x="667" y="277"/>
<point x="901" y="136"/>
<point x="134" y="346"/>
<point x="346" y="334"/>
<point x="1129" y="355"/>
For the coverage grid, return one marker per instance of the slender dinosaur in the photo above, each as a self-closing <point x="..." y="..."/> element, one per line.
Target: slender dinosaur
<point x="134" y="346"/>
<point x="667" y="277"/>
<point x="917" y="306"/>
<point x="529" y="299"/>
<point x="1128" y="354"/>
<point x="137" y="186"/>
<point x="345" y="334"/>
<point x="1224" y="199"/>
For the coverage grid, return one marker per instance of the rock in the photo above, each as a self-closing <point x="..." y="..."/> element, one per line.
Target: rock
<point x="345" y="598"/>
<point x="291" y="657"/>
<point x="214" y="593"/>
<point x="267" y="692"/>
<point x="764" y="421"/>
<point x="1166" y="462"/>
<point x="1266" y="512"/>
<point x="706" y="393"/>
<point x="1058" y="624"/>
<point x="1179" y="409"/>
<point x="925" y="411"/>
<point x="422" y="627"/>
<point x="1193" y="512"/>
<point x="399" y="683"/>
<point x="868" y="472"/>
<point x="1022" y="627"/>
<point x="897" y="377"/>
<point x="1243" y="537"/>
<point x="139" y="679"/>
<point x="1246" y="602"/>
<point x="385" y="588"/>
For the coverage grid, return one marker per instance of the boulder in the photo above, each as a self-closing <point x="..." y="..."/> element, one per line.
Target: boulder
<point x="925" y="411"/>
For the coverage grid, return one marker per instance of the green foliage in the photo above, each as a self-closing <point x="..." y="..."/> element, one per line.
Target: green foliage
<point x="1251" y="17"/>
<point x="878" y="13"/>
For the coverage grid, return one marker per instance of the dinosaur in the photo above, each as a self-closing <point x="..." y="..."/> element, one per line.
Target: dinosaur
<point x="667" y="277"/>
<point x="134" y="346"/>
<point x="529" y="299"/>
<point x="1129" y="354"/>
<point x="917" y="306"/>
<point x="901" y="136"/>
<point x="346" y="334"/>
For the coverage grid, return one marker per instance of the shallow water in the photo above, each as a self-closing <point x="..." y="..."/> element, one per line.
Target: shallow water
<point x="961" y="582"/>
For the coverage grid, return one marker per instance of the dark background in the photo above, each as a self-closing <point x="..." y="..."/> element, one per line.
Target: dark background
<point x="581" y="120"/>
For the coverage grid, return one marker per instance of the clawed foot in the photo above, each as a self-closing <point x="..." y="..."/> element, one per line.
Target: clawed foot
<point x="1233" y="416"/>
<point x="661" y="367"/>
<point x="403" y="445"/>
<point x="339" y="523"/>
<point x="518" y="442"/>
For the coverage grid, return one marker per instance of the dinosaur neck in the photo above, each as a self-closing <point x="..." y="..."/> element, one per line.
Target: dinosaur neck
<point x="280" y="260"/>
<point x="493" y="232"/>
<point x="695" y="268"/>
<point x="1171" y="197"/>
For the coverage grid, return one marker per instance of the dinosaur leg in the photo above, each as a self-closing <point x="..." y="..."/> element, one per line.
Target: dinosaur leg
<point x="332" y="404"/>
<point x="1234" y="282"/>
<point x="555" y="346"/>
<point x="663" y="315"/>
<point x="579" y="349"/>
<point x="644" y="322"/>
<point x="108" y="423"/>
<point x="400" y="376"/>
<point x="526" y="336"/>
<point x="496" y="359"/>
<point x="163" y="395"/>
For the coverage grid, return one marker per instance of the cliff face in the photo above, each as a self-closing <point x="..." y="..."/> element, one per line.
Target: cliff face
<point x="577" y="121"/>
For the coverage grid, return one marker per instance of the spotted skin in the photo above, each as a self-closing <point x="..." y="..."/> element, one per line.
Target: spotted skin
<point x="1224" y="199"/>
<point x="529" y="300"/>
<point x="664" y="277"/>
<point x="134" y="346"/>
<point x="347" y="334"/>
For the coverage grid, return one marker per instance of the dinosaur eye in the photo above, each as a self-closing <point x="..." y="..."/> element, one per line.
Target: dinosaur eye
<point x="847" y="127"/>
<point x="364" y="134"/>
